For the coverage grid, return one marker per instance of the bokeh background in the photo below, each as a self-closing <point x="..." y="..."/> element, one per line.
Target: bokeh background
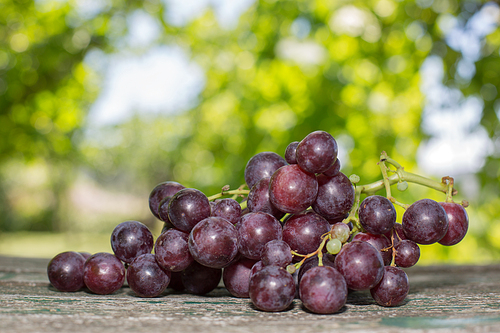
<point x="100" y="100"/>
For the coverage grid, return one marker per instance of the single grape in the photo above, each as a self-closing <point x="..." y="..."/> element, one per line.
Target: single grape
<point x="314" y="262"/>
<point x="103" y="273"/>
<point x="254" y="231"/>
<point x="272" y="289"/>
<point x="130" y="239"/>
<point x="213" y="242"/>
<point x="236" y="277"/>
<point x="407" y="253"/>
<point x="340" y="231"/>
<point x="258" y="199"/>
<point x="380" y="242"/>
<point x="458" y="223"/>
<point x="377" y="214"/>
<point x="188" y="207"/>
<point x="227" y="208"/>
<point x="290" y="152"/>
<point x="65" y="271"/>
<point x="172" y="250"/>
<point x="146" y="278"/>
<point x="199" y="280"/>
<point x="425" y="222"/>
<point x="317" y="152"/>
<point x="161" y="191"/>
<point x="303" y="231"/>
<point x="393" y="288"/>
<point x="257" y="267"/>
<point x="323" y="289"/>
<point x="335" y="196"/>
<point x="276" y="252"/>
<point x="333" y="246"/>
<point x="333" y="170"/>
<point x="292" y="190"/>
<point x="262" y="165"/>
<point x="361" y="265"/>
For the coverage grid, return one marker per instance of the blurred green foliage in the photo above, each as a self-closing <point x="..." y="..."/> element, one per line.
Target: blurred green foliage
<point x="357" y="80"/>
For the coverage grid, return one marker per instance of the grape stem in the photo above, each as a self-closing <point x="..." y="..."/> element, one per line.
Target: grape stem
<point x="225" y="191"/>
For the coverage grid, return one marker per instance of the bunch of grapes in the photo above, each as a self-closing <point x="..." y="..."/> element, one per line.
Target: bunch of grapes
<point x="299" y="230"/>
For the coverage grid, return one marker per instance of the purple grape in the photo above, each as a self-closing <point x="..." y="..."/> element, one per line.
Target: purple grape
<point x="425" y="222"/>
<point x="290" y="152"/>
<point x="407" y="253"/>
<point x="323" y="290"/>
<point x="199" y="280"/>
<point x="65" y="271"/>
<point x="254" y="231"/>
<point x="458" y="223"/>
<point x="227" y="208"/>
<point x="262" y="165"/>
<point x="361" y="265"/>
<point x="302" y="232"/>
<point x="130" y="239"/>
<point x="335" y="196"/>
<point x="380" y="242"/>
<point x="317" y="152"/>
<point x="172" y="250"/>
<point x="277" y="253"/>
<point x="377" y="214"/>
<point x="146" y="278"/>
<point x="272" y="289"/>
<point x="313" y="262"/>
<point x="256" y="267"/>
<point x="103" y="273"/>
<point x="236" y="277"/>
<point x="393" y="288"/>
<point x="188" y="207"/>
<point x="160" y="192"/>
<point x="292" y="190"/>
<point x="258" y="199"/>
<point x="213" y="242"/>
<point x="86" y="255"/>
<point x="333" y="170"/>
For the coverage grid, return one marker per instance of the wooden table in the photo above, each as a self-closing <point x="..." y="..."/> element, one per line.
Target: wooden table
<point x="441" y="299"/>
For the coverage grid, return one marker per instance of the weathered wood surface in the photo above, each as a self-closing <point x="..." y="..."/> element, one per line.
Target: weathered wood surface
<point x="441" y="299"/>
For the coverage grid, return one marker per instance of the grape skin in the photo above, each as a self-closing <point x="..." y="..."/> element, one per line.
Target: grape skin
<point x="103" y="273"/>
<point x="323" y="289"/>
<point x="213" y="242"/>
<point x="272" y="289"/>
<point x="380" y="242"/>
<point x="254" y="231"/>
<point x="317" y="152"/>
<point x="425" y="222"/>
<point x="302" y="232"/>
<point x="361" y="265"/>
<point x="65" y="271"/>
<point x="262" y="165"/>
<point x="393" y="288"/>
<point x="199" y="280"/>
<point x="236" y="277"/>
<point x="227" y="208"/>
<point x="188" y="207"/>
<point x="335" y="196"/>
<point x="172" y="250"/>
<point x="131" y="239"/>
<point x="290" y="152"/>
<point x="292" y="190"/>
<point x="277" y="253"/>
<point x="377" y="214"/>
<point x="146" y="278"/>
<point x="407" y="253"/>
<point x="458" y="223"/>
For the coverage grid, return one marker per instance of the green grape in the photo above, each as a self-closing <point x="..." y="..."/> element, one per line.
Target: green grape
<point x="340" y="231"/>
<point x="333" y="246"/>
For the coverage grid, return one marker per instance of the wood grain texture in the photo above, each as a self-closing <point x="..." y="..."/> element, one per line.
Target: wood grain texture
<point x="441" y="299"/>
